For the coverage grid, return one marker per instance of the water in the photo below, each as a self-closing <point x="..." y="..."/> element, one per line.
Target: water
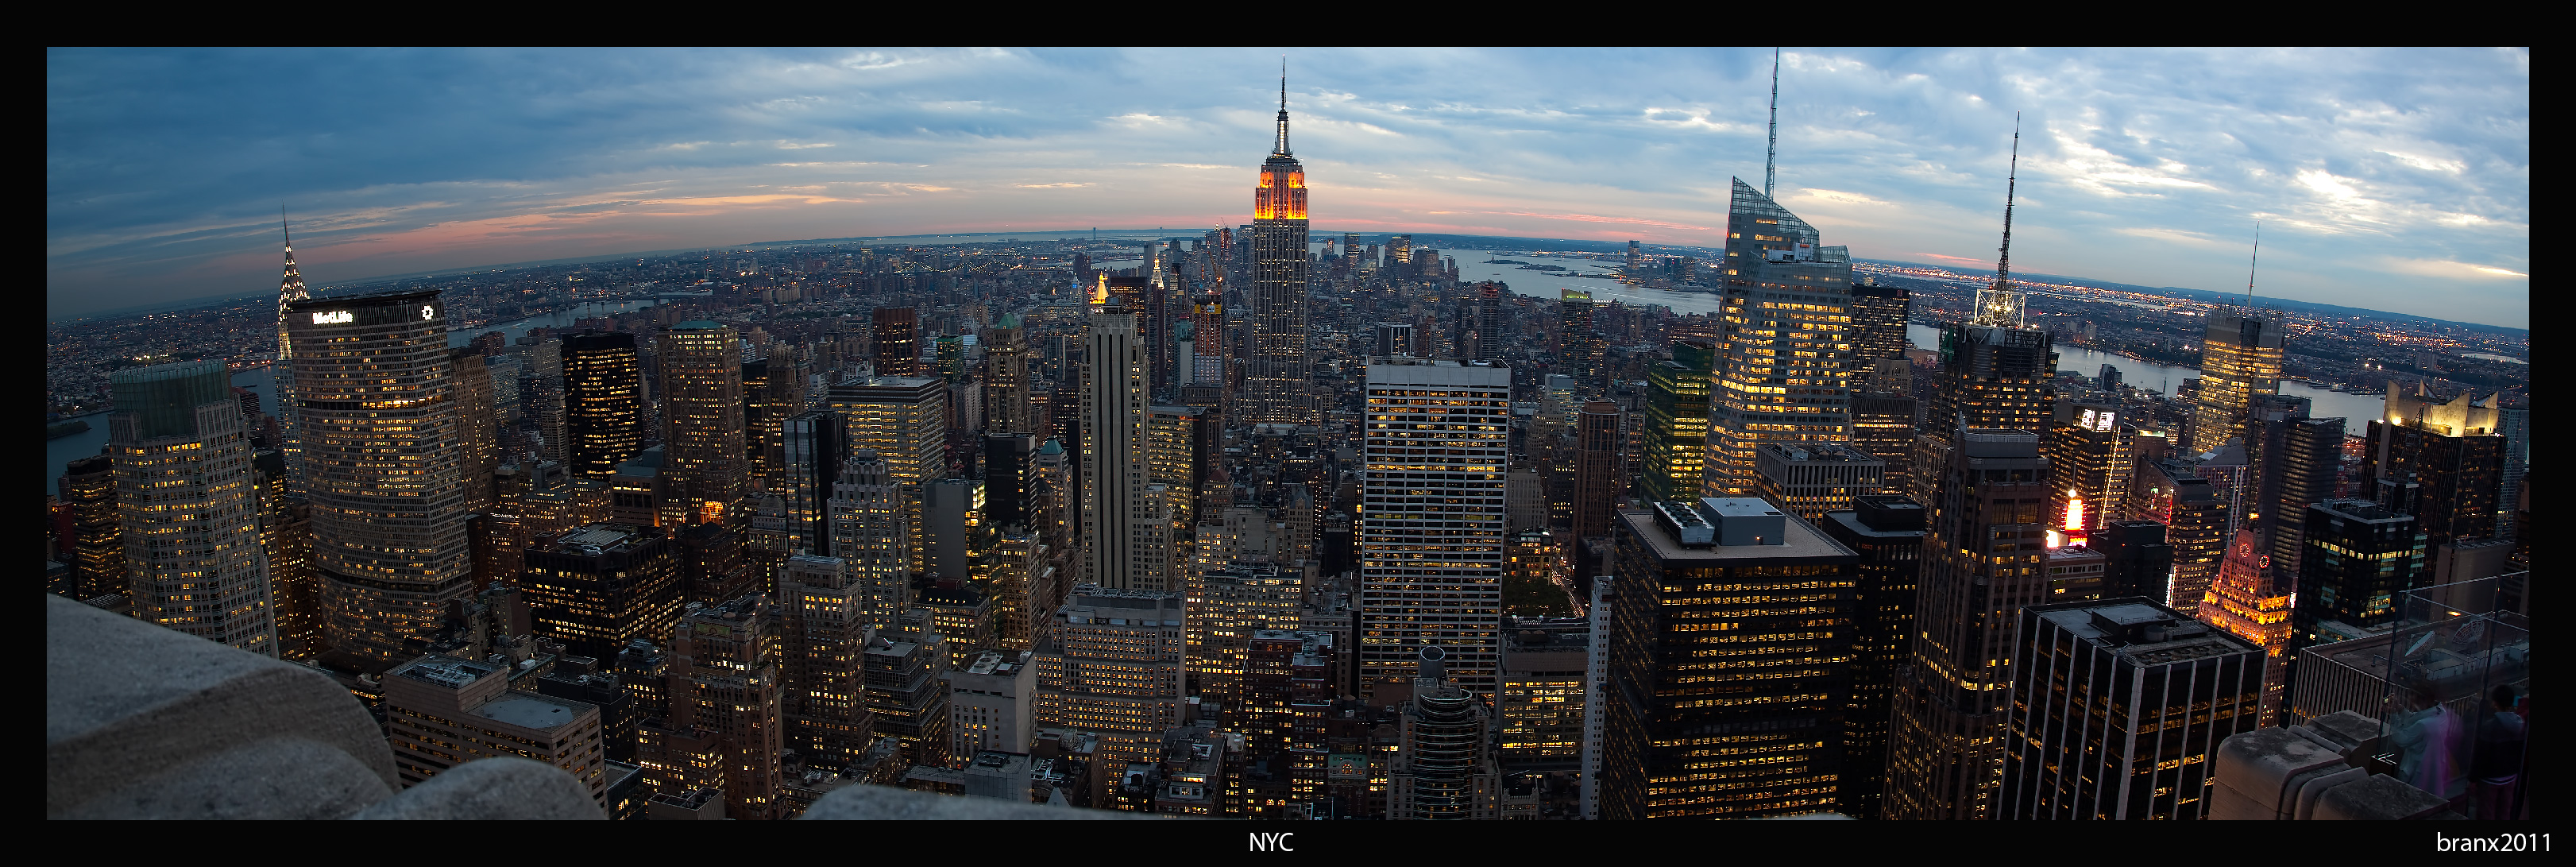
<point x="2356" y="410"/>
<point x="1547" y="284"/>
<point x="262" y="382"/>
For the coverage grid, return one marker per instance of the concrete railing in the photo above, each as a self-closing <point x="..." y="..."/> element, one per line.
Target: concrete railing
<point x="145" y="723"/>
<point x="2316" y="771"/>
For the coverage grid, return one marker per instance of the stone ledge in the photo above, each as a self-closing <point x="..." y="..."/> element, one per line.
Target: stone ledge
<point x="888" y="802"/>
<point x="494" y="788"/>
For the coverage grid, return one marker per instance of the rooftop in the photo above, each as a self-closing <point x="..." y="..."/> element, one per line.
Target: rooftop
<point x="529" y="711"/>
<point x="447" y="671"/>
<point x="1800" y="541"/>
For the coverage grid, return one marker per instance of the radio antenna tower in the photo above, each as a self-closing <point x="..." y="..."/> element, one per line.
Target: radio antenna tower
<point x="2256" y="259"/>
<point x="1771" y="162"/>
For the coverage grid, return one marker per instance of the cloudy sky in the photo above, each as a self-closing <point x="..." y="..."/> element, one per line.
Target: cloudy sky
<point x="2398" y="180"/>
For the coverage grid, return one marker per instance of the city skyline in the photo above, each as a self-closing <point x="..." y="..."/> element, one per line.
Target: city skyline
<point x="2382" y="175"/>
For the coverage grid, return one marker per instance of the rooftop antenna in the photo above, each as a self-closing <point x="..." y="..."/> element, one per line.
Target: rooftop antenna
<point x="1999" y="304"/>
<point x="1771" y="162"/>
<point x="2256" y="259"/>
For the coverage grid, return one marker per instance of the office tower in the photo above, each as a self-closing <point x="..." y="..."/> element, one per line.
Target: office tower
<point x="1810" y="480"/>
<point x="1112" y="665"/>
<point x="545" y="400"/>
<point x="1006" y="379"/>
<point x="826" y="636"/>
<point x="1114" y="462"/>
<point x="1636" y="263"/>
<point x="1981" y="562"/>
<point x="2251" y="601"/>
<point x="383" y="465"/>
<point x="441" y="711"/>
<point x="1677" y="421"/>
<point x="905" y="421"/>
<point x="597" y="588"/>
<point x="907" y="694"/>
<point x="951" y="514"/>
<point x="815" y="445"/>
<point x="2196" y="524"/>
<point x="2121" y="705"/>
<point x="712" y="564"/>
<point x="898" y="341"/>
<point x="2361" y="559"/>
<point x="1879" y="315"/>
<point x="725" y="728"/>
<point x="992" y="703"/>
<point x="1883" y="426"/>
<point x="1431" y="522"/>
<point x="760" y="442"/>
<point x="2089" y="460"/>
<point x="603" y="401"/>
<point x="1724" y="704"/>
<point x="1443" y="760"/>
<point x="1275" y="378"/>
<point x="97" y="550"/>
<point x="187" y="500"/>
<point x="1598" y="483"/>
<point x="589" y="681"/>
<point x="866" y="518"/>
<point x="1393" y="339"/>
<point x="1237" y="595"/>
<point x="2296" y="459"/>
<point x="1181" y="447"/>
<point x="1540" y="707"/>
<point x="1785" y="375"/>
<point x="1282" y="713"/>
<point x="1995" y="367"/>
<point x="1887" y="531"/>
<point x="290" y="289"/>
<point x="947" y="358"/>
<point x="1578" y="346"/>
<point x="2240" y="360"/>
<point x="1399" y="248"/>
<point x="2137" y="562"/>
<point x="477" y="427"/>
<point x="1010" y="480"/>
<point x="2454" y="451"/>
<point x="702" y="418"/>
<point x="286" y="535"/>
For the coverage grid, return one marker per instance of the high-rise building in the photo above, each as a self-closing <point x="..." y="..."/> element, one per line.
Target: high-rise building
<point x="1883" y="426"/>
<point x="2089" y="460"/>
<point x="2119" y="708"/>
<point x="867" y="527"/>
<point x="2295" y="461"/>
<point x="441" y="711"/>
<point x="1432" y="520"/>
<point x="1578" y="344"/>
<point x="908" y="695"/>
<point x="1677" y="421"/>
<point x="1235" y="600"/>
<point x="598" y="588"/>
<point x="814" y="446"/>
<point x="603" y="401"/>
<point x="290" y="289"/>
<point x="2137" y="562"/>
<point x="1011" y="481"/>
<point x="1887" y="532"/>
<point x="1274" y="387"/>
<point x="544" y="400"/>
<point x="2251" y="600"/>
<point x="476" y="427"/>
<point x="725" y="705"/>
<point x="1788" y="365"/>
<point x="187" y="500"/>
<point x="1983" y="560"/>
<point x="1540" y="708"/>
<point x="1006" y="379"/>
<point x="702" y="419"/>
<point x="2453" y="451"/>
<point x="1599" y="484"/>
<point x="96" y="551"/>
<point x="1181" y="448"/>
<point x="1879" y="316"/>
<point x="992" y="703"/>
<point x="1721" y="703"/>
<point x="2361" y="559"/>
<point x="905" y="421"/>
<point x="898" y="341"/>
<point x="1809" y="480"/>
<point x="384" y="466"/>
<point x="1443" y="768"/>
<point x="2240" y="360"/>
<point x="286" y="534"/>
<point x="1114" y="462"/>
<point x="952" y="513"/>
<point x="1995" y="367"/>
<point x="1112" y="665"/>
<point x="826" y="638"/>
<point x="1481" y="314"/>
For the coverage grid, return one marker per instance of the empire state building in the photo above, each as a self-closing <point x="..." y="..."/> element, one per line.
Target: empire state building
<point x="1275" y="376"/>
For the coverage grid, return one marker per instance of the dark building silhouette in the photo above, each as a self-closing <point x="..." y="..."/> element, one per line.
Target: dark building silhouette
<point x="1887" y="532"/>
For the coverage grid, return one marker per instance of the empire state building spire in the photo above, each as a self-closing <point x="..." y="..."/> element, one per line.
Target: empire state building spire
<point x="1282" y="149"/>
<point x="290" y="287"/>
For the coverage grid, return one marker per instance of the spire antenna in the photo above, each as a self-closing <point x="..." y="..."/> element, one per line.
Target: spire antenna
<point x="2012" y="179"/>
<point x="1999" y="304"/>
<point x="1283" y="105"/>
<point x="2252" y="261"/>
<point x="1771" y="162"/>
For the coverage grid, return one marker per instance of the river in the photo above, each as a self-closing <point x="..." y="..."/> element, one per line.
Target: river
<point x="260" y="381"/>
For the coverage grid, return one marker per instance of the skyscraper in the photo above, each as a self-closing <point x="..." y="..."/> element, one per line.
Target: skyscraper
<point x="1275" y="381"/>
<point x="1787" y="366"/>
<point x="384" y="465"/>
<point x="1432" y="520"/>
<point x="815" y="444"/>
<point x="1995" y="367"/>
<point x="1599" y="483"/>
<point x="2453" y="451"/>
<point x="1006" y="379"/>
<point x="603" y="401"/>
<point x="1887" y="532"/>
<point x="725" y="703"/>
<point x="905" y="421"/>
<point x="1114" y="462"/>
<point x="545" y="399"/>
<point x="1809" y="481"/>
<point x="2123" y="704"/>
<point x="898" y="341"/>
<point x="1677" y="421"/>
<point x="2251" y="600"/>
<point x="2089" y="460"/>
<point x="827" y="635"/>
<point x="97" y="550"/>
<point x="1111" y="664"/>
<point x="476" y="427"/>
<point x="1720" y="703"/>
<point x="2296" y="459"/>
<point x="868" y="534"/>
<point x="290" y="289"/>
<point x="2240" y="360"/>
<point x="1879" y="315"/>
<point x="2362" y="557"/>
<point x="1982" y="562"/>
<point x="702" y="414"/>
<point x="187" y="499"/>
<point x="1578" y="344"/>
<point x="1883" y="425"/>
<point x="597" y="588"/>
